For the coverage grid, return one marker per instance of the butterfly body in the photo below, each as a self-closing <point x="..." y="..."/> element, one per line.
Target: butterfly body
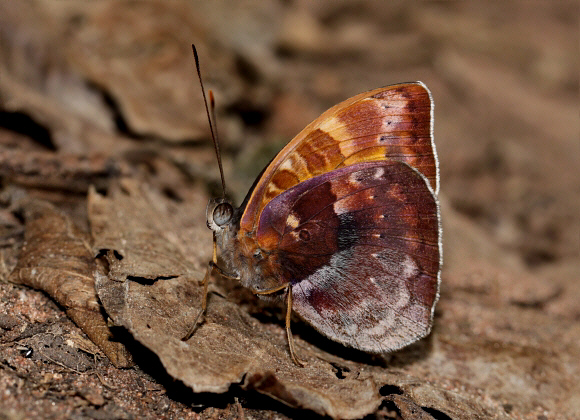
<point x="345" y="222"/>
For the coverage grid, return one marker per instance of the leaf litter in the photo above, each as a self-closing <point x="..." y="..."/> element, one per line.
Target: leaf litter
<point x="148" y="287"/>
<point x="56" y="258"/>
<point x="146" y="263"/>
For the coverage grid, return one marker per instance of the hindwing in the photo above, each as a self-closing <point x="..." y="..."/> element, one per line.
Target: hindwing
<point x="361" y="248"/>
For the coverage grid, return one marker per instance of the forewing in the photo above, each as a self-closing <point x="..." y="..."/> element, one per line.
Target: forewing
<point x="394" y="122"/>
<point x="361" y="248"/>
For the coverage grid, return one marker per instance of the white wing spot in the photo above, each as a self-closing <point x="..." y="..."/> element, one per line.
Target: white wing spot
<point x="340" y="208"/>
<point x="353" y="178"/>
<point x="410" y="268"/>
<point x="292" y="221"/>
<point x="288" y="164"/>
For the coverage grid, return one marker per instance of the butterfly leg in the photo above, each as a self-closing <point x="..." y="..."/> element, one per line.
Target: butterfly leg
<point x="205" y="284"/>
<point x="288" y="288"/>
<point x="211" y="265"/>
<point x="288" y="331"/>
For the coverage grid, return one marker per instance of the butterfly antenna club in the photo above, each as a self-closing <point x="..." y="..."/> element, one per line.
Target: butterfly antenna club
<point x="211" y="119"/>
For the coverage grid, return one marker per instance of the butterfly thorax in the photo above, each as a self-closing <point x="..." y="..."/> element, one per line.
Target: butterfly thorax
<point x="256" y="268"/>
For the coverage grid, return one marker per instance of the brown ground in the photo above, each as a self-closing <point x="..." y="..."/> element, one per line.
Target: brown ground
<point x="104" y="94"/>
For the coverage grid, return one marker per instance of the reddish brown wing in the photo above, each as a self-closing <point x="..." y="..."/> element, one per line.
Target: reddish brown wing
<point x="394" y="122"/>
<point x="361" y="247"/>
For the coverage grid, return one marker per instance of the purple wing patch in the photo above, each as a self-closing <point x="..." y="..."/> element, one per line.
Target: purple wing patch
<point x="361" y="247"/>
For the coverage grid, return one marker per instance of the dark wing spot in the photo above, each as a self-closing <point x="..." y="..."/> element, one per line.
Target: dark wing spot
<point x="385" y="138"/>
<point x="347" y="231"/>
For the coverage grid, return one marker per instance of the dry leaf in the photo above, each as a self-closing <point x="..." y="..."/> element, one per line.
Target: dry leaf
<point x="408" y="409"/>
<point x="136" y="239"/>
<point x="156" y="67"/>
<point x="56" y="258"/>
<point x="65" y="172"/>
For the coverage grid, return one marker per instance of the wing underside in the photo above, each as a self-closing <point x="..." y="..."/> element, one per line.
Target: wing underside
<point x="361" y="247"/>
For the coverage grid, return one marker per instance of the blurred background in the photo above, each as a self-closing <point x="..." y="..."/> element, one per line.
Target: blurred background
<point x="103" y="89"/>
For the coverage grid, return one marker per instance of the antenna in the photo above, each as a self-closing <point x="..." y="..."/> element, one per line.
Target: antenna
<point x="210" y="117"/>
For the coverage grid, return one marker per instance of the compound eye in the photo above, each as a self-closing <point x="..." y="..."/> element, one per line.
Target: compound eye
<point x="223" y="213"/>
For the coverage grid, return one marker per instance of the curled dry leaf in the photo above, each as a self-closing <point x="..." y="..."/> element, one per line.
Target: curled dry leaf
<point x="150" y="290"/>
<point x="56" y="258"/>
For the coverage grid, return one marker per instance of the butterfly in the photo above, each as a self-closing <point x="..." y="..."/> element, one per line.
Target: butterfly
<point x="344" y="223"/>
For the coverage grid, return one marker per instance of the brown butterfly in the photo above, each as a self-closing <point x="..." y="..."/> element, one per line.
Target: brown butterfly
<point x="344" y="223"/>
